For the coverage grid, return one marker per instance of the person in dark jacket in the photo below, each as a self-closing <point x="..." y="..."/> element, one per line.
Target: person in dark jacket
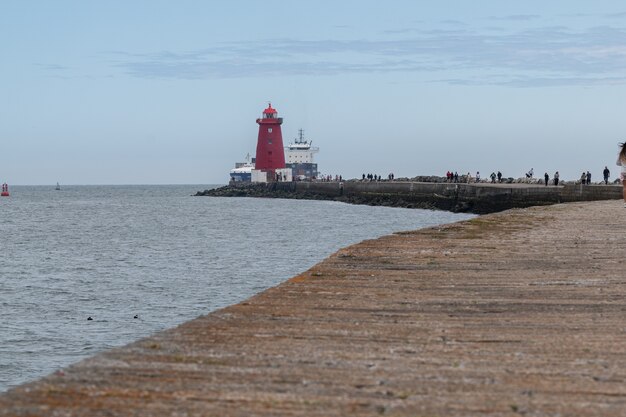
<point x="606" y="174"/>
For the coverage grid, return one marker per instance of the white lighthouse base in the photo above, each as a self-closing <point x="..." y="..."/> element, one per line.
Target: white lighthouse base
<point x="279" y="175"/>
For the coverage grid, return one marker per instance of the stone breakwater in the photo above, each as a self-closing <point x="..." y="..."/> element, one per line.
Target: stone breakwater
<point x="509" y="314"/>
<point x="478" y="198"/>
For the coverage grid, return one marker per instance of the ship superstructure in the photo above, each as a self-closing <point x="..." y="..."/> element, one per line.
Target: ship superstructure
<point x="299" y="157"/>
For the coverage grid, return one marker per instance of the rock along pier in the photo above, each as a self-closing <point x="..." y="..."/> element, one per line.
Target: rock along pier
<point x="478" y="198"/>
<point x="518" y="313"/>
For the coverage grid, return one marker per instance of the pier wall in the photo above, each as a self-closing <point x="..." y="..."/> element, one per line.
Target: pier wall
<point x="476" y="198"/>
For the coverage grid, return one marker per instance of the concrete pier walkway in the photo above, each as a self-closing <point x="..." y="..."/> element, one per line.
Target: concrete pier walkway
<point x="516" y="313"/>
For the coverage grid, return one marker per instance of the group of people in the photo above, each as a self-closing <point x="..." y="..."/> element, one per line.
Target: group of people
<point x="555" y="178"/>
<point x="375" y="177"/>
<point x="493" y="177"/>
<point x="329" y="178"/>
<point x="585" y="177"/>
<point x="454" y="177"/>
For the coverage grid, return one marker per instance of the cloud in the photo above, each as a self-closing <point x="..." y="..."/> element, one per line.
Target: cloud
<point x="548" y="55"/>
<point x="516" y="17"/>
<point x="453" y="22"/>
<point x="51" y="67"/>
<point x="562" y="81"/>
<point x="400" y="31"/>
<point x="529" y="82"/>
<point x="620" y="15"/>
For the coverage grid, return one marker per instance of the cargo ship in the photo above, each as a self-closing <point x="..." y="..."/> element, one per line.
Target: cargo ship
<point x="299" y="157"/>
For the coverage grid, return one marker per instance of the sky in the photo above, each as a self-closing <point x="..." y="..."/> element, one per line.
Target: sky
<point x="163" y="92"/>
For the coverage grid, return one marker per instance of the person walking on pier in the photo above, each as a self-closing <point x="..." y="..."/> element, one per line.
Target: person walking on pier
<point x="621" y="161"/>
<point x="583" y="178"/>
<point x="546" y="178"/>
<point x="606" y="174"/>
<point x="556" y="178"/>
<point x="588" y="178"/>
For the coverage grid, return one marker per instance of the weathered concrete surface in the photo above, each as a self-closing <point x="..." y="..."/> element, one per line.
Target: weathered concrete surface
<point x="477" y="198"/>
<point x="517" y="313"/>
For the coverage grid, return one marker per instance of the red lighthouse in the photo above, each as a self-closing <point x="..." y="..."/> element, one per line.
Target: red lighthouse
<point x="270" y="154"/>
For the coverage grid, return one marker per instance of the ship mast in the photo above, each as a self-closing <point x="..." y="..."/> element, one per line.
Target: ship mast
<point x="301" y="133"/>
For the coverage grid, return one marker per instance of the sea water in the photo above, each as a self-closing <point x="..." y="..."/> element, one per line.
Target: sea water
<point x="156" y="253"/>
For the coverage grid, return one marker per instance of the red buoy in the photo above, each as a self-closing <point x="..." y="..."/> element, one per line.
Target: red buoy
<point x="270" y="153"/>
<point x="5" y="190"/>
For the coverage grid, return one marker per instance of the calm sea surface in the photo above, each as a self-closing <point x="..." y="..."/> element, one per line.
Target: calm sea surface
<point x="113" y="252"/>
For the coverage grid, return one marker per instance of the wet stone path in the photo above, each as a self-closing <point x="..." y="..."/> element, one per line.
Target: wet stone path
<point x="516" y="313"/>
